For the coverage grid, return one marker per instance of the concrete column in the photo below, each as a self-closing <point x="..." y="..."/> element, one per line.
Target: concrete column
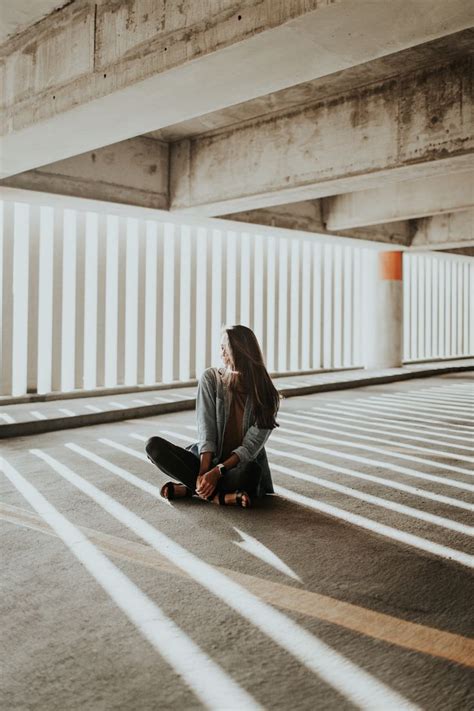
<point x="384" y="312"/>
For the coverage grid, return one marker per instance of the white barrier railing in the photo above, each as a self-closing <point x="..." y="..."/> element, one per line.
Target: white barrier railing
<point x="438" y="306"/>
<point x="101" y="299"/>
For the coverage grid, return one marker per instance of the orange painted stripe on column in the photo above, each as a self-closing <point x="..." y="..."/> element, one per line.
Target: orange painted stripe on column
<point x="391" y="265"/>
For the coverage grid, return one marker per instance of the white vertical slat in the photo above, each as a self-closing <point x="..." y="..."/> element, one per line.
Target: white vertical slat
<point x="465" y="313"/>
<point x="33" y="300"/>
<point x="272" y="325"/>
<point x="347" y="307"/>
<point x="415" y="353"/>
<point x="406" y="307"/>
<point x="58" y="280"/>
<point x="283" y="304"/>
<point x="459" y="346"/>
<point x="131" y="303"/>
<point x="68" y="327"/>
<point x="421" y="307"/>
<point x="317" y="307"/>
<point x="216" y="296"/>
<point x="160" y="242"/>
<point x="141" y="306"/>
<point x="245" y="280"/>
<point x="192" y="322"/>
<point x="101" y="294"/>
<point x="111" y="300"/>
<point x="19" y="342"/>
<point x="454" y="303"/>
<point x="201" y="299"/>
<point x="428" y="307"/>
<point x="121" y="299"/>
<point x="337" y="307"/>
<point x="168" y="301"/>
<point x="232" y="279"/>
<point x="79" y="297"/>
<point x="471" y="309"/>
<point x="328" y="320"/>
<point x="185" y="305"/>
<point x="259" y="293"/>
<point x="151" y="286"/>
<point x="448" y="302"/>
<point x="441" y="307"/>
<point x="90" y="301"/>
<point x="306" y="306"/>
<point x="6" y="331"/>
<point x="295" y="305"/>
<point x="357" y="309"/>
<point x="435" y="307"/>
<point x="45" y="300"/>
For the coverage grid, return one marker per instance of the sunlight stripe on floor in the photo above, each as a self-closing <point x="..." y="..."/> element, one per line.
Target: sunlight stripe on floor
<point x="444" y="405"/>
<point x="160" y="398"/>
<point x="39" y="415"/>
<point x="379" y="450"/>
<point x="141" y="402"/>
<point x="294" y="419"/>
<point x="378" y="501"/>
<point x="357" y="685"/>
<point x="254" y="547"/>
<point x="183" y="655"/>
<point x="67" y="412"/>
<point x="123" y="448"/>
<point x="93" y="408"/>
<point x="404" y="407"/>
<point x="346" y="421"/>
<point x="118" y="471"/>
<point x="8" y="418"/>
<point x="388" y="483"/>
<point x="373" y="415"/>
<point x="378" y="625"/>
<point x="384" y="465"/>
<point x="118" y="405"/>
<point x="453" y="399"/>
<point x="406" y="402"/>
<point x="379" y="528"/>
<point x="388" y="411"/>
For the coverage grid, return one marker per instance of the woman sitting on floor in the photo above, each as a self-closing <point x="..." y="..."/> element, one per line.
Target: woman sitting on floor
<point x="236" y="407"/>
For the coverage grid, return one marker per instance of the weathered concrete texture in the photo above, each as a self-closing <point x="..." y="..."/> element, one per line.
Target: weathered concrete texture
<point x="307" y="216"/>
<point x="18" y="15"/>
<point x="133" y="172"/>
<point x="402" y="201"/>
<point x="445" y="231"/>
<point x="155" y="55"/>
<point x="416" y="124"/>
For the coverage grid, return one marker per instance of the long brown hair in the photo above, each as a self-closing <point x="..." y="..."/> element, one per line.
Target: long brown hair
<point x="248" y="372"/>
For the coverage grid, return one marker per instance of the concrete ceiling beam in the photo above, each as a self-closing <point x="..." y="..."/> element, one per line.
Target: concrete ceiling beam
<point x="408" y="200"/>
<point x="406" y="128"/>
<point x="450" y="231"/>
<point x="93" y="74"/>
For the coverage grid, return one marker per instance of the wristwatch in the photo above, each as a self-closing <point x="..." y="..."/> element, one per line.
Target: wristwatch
<point x="222" y="469"/>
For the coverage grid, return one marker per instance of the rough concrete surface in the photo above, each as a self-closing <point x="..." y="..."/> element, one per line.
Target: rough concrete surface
<point x="66" y="645"/>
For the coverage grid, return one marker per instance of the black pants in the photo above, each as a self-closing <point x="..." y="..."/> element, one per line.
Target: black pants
<point x="183" y="466"/>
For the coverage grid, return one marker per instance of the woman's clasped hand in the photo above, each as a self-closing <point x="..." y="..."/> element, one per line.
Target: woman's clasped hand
<point x="206" y="483"/>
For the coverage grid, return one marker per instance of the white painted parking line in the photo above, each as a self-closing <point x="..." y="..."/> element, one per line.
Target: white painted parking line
<point x="378" y="501"/>
<point x="346" y="422"/>
<point x="380" y="528"/>
<point x="357" y="685"/>
<point x="118" y="405"/>
<point x="67" y="412"/>
<point x="294" y="419"/>
<point x="93" y="408"/>
<point x="378" y="450"/>
<point x="373" y="415"/>
<point x="372" y="462"/>
<point x="8" y="418"/>
<point x="118" y="471"/>
<point x="180" y="652"/>
<point x="38" y="415"/>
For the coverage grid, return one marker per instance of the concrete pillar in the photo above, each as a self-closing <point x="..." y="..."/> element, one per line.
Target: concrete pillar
<point x="384" y="312"/>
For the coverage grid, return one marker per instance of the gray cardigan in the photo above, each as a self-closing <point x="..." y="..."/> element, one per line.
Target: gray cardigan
<point x="212" y="411"/>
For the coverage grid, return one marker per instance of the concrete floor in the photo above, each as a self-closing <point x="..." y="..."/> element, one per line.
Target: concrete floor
<point x="321" y="597"/>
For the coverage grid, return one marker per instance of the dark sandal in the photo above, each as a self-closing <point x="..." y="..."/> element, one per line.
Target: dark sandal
<point x="239" y="499"/>
<point x="171" y="491"/>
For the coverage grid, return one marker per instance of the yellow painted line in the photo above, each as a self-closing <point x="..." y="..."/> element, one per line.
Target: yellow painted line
<point x="377" y="625"/>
